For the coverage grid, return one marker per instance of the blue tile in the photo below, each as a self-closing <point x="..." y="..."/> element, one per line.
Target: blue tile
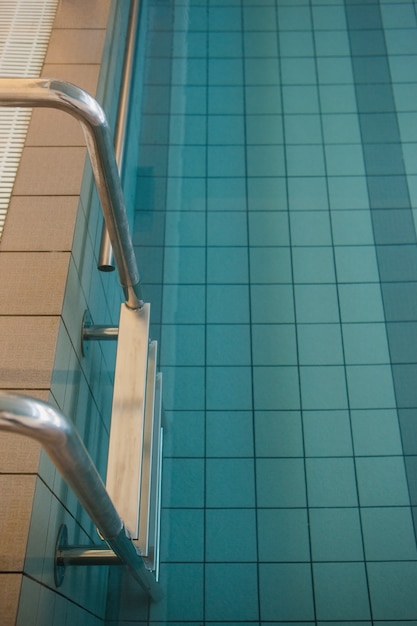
<point x="184" y="434"/>
<point x="316" y="303"/>
<point x="329" y="17"/>
<point x="356" y="264"/>
<point x="348" y="192"/>
<point x="265" y="160"/>
<point x="230" y="536"/>
<point x="229" y="434"/>
<point x="230" y="483"/>
<point x="313" y="265"/>
<point x="186" y="160"/>
<point x="225" y="44"/>
<point x="264" y="100"/>
<point x="228" y="388"/>
<point x="226" y="161"/>
<point x="267" y="228"/>
<point x="228" y="344"/>
<point x="183" y="304"/>
<point x="225" y="130"/>
<point x="184" y="265"/>
<point x="307" y="194"/>
<point x="182" y="535"/>
<point x="338" y="99"/>
<point x="294" y="18"/>
<point x="223" y="100"/>
<point x="265" y="129"/>
<point x="319" y="344"/>
<point x="280" y="483"/>
<point x="227" y="304"/>
<point x="336" y="534"/>
<point x="327" y="433"/>
<point x="392" y="590"/>
<point x="305" y="160"/>
<point x="224" y="18"/>
<point x="382" y="481"/>
<point x="227" y="228"/>
<point x="388" y="534"/>
<point x="286" y="592"/>
<point x="344" y="160"/>
<point x="352" y="228"/>
<point x="283" y="535"/>
<point x="226" y="195"/>
<point x="296" y="44"/>
<point x="276" y="387"/>
<point x="227" y="265"/>
<point x="341" y="128"/>
<point x="267" y="194"/>
<point x="331" y="482"/>
<point x="300" y="99"/>
<point x="183" y="388"/>
<point x="334" y="70"/>
<point x="187" y="71"/>
<point x="370" y="386"/>
<point x="180" y="580"/>
<point x="187" y="99"/>
<point x="298" y="71"/>
<point x="187" y="129"/>
<point x="186" y="193"/>
<point x="365" y="343"/>
<point x="272" y="304"/>
<point x="361" y="303"/>
<point x="332" y="43"/>
<point x="270" y="265"/>
<point x="225" y="72"/>
<point x="260" y="44"/>
<point x="182" y="344"/>
<point x="226" y="581"/>
<point x="340" y="591"/>
<point x="259" y="18"/>
<point x="274" y="344"/>
<point x="302" y="129"/>
<point x="185" y="487"/>
<point x="278" y="434"/>
<point x="376" y="432"/>
<point x="310" y="228"/>
<point x="262" y="72"/>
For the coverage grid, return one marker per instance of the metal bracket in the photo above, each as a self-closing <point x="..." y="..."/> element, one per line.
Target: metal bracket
<point x="95" y="332"/>
<point x="65" y="555"/>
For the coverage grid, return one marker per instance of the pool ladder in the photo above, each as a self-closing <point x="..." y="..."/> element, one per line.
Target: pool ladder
<point x="133" y="487"/>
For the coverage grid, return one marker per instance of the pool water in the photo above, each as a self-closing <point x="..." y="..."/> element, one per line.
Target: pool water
<point x="275" y="233"/>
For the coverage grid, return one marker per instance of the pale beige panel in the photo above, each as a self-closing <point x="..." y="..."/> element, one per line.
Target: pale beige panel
<point x="54" y="128"/>
<point x="84" y="76"/>
<point x="76" y="46"/>
<point x="32" y="283"/>
<point x="50" y="172"/>
<point x="49" y="127"/>
<point x="40" y="223"/>
<point x="16" y="496"/>
<point x="27" y="351"/>
<point x="9" y="597"/>
<point x="20" y="455"/>
<point x="82" y="14"/>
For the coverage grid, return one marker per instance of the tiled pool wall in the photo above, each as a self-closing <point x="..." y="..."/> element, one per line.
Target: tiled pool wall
<point x="51" y="241"/>
<point x="275" y="231"/>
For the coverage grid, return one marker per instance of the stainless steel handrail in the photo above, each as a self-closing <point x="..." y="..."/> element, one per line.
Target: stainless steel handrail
<point x="62" y="443"/>
<point x="57" y="94"/>
<point x="105" y="256"/>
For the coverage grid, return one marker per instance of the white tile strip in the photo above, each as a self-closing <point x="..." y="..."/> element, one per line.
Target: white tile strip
<point x="25" y="27"/>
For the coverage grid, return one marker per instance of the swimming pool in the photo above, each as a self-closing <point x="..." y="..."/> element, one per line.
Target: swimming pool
<point x="275" y="231"/>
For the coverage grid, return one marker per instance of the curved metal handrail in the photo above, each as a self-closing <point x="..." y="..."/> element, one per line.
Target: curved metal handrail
<point x="61" y="441"/>
<point x="57" y="94"/>
<point x="105" y="256"/>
